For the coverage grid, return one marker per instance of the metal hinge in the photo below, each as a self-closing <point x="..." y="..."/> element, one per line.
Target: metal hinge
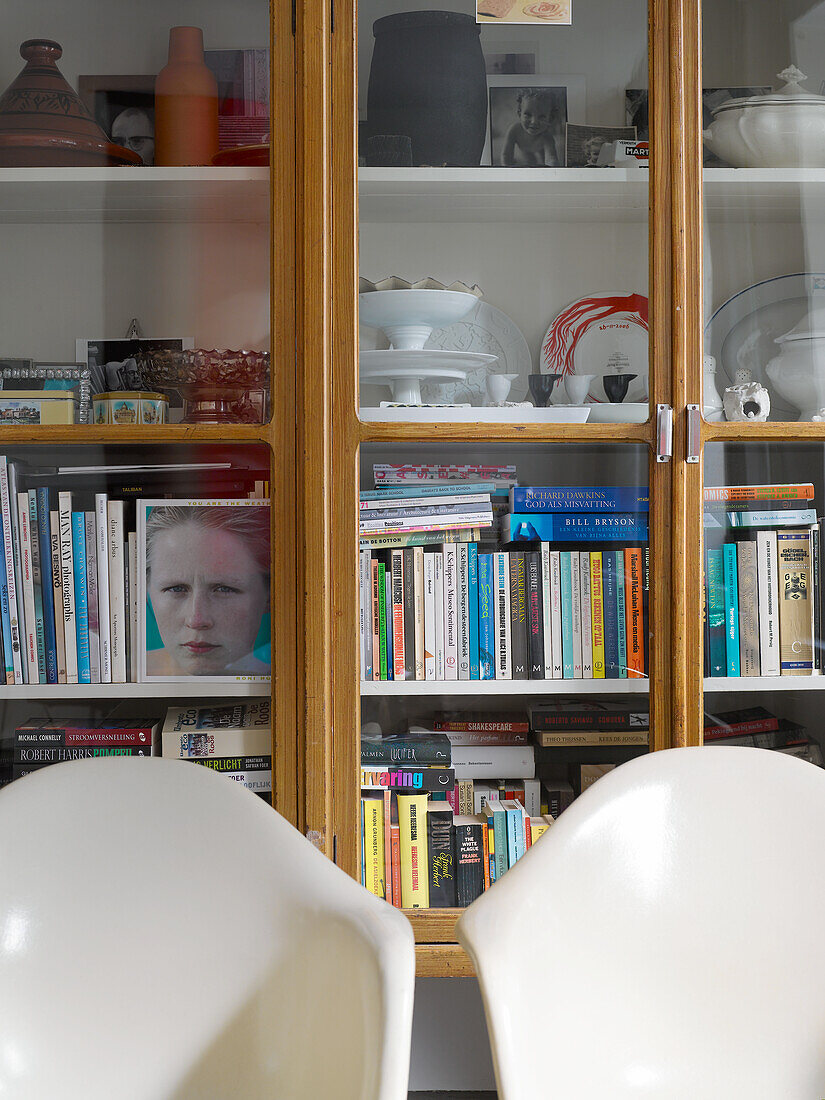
<point x="664" y="433"/>
<point x="694" y="432"/>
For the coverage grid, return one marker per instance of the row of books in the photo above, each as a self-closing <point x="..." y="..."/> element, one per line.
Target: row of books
<point x="763" y="585"/>
<point x="234" y="740"/>
<point x="452" y="613"/>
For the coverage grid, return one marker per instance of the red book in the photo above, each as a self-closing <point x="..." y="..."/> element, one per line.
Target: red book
<point x="633" y="612"/>
<point x="481" y="723"/>
<point x="734" y="722"/>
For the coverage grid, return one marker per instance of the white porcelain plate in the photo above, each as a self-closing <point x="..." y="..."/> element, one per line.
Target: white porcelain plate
<point x="403" y="362"/>
<point x="490" y="331"/>
<point x="741" y="333"/>
<point x="600" y="334"/>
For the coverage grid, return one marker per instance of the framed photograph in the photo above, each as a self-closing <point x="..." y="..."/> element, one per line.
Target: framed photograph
<point x="203" y="590"/>
<point x="527" y="118"/>
<point x="113" y="363"/>
<point x="124" y="108"/>
<point x="557" y="12"/>
<point x="24" y="375"/>
<point x="583" y="144"/>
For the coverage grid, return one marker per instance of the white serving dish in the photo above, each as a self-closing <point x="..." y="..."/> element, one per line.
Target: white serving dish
<point x="798" y="369"/>
<point x="622" y="412"/>
<point x="408" y="317"/>
<point x="404" y="369"/>
<point x="785" y="129"/>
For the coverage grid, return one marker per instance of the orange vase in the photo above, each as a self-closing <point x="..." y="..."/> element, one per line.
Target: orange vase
<point x="186" y="103"/>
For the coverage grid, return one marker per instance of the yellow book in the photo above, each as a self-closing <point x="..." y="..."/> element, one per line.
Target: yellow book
<point x="538" y="826"/>
<point x="412" y="828"/>
<point x="793" y="553"/>
<point x="597" y="613"/>
<point x="374" y="846"/>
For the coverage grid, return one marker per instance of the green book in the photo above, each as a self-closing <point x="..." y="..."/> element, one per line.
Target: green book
<point x="382" y="619"/>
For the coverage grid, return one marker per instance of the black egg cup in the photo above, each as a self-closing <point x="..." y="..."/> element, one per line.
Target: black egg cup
<point x="616" y="386"/>
<point x="541" y="388"/>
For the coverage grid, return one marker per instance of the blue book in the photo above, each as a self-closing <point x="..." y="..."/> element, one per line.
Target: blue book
<point x="611" y="623"/>
<point x="577" y="527"/>
<point x="45" y="536"/>
<point x="428" y="489"/>
<point x="513" y="816"/>
<point x="486" y="621"/>
<point x="731" y="578"/>
<point x="472" y="572"/>
<point x="715" y="581"/>
<point x="566" y="615"/>
<point x="37" y="584"/>
<point x="5" y="617"/>
<point x="621" y="615"/>
<point x="84" y="667"/>
<point x="580" y="498"/>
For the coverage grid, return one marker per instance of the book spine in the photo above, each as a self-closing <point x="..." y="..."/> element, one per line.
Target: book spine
<point x="793" y="555"/>
<point x="731" y="609"/>
<point x="375" y="618"/>
<point x="469" y="862"/>
<point x="454" y="521"/>
<point x="418" y="610"/>
<point x="611" y="623"/>
<point x="576" y="612"/>
<point x="407" y="751"/>
<point x="816" y="565"/>
<point x="442" y="492"/>
<point x="621" y="613"/>
<point x="117" y="589"/>
<point x="132" y="605"/>
<point x="81" y="596"/>
<point x="388" y="621"/>
<point x="528" y="527"/>
<point x="518" y="615"/>
<point x="11" y="470"/>
<point x="450" y="612"/>
<point x="783" y="517"/>
<point x="44" y="537"/>
<point x="551" y="738"/>
<point x="382" y="619"/>
<point x="766" y="572"/>
<point x="408" y="576"/>
<point x="472" y="572"/>
<point x="613" y="498"/>
<point x="438" y="611"/>
<point x="373" y="811"/>
<point x="388" y="883"/>
<point x="29" y="631"/>
<point x="491" y="761"/>
<point x="397" y="577"/>
<point x="56" y="754"/>
<point x="37" y="581"/>
<point x="504" y="667"/>
<point x="723" y="493"/>
<point x="567" y="614"/>
<point x="597" y="614"/>
<point x="57" y="585"/>
<point x="634" y="612"/>
<point x="5" y="618"/>
<point x="440" y="856"/>
<point x="486" y="618"/>
<point x="535" y="615"/>
<point x="463" y="611"/>
<point x="409" y="777"/>
<point x="716" y="611"/>
<point x="429" y="616"/>
<point x="646" y="609"/>
<point x="93" y="600"/>
<point x="421" y="506"/>
<point x="546" y="611"/>
<point x="395" y="853"/>
<point x="412" y="821"/>
<point x="549" y="717"/>
<point x="100" y="557"/>
<point x="586" y="613"/>
<point x="419" y="538"/>
<point x="364" y="577"/>
<point x="556" y="614"/>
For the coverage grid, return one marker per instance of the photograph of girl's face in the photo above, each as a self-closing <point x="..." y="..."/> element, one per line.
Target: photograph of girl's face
<point x="209" y="597"/>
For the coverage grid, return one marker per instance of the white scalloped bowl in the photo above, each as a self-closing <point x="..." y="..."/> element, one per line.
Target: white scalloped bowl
<point x="408" y="317"/>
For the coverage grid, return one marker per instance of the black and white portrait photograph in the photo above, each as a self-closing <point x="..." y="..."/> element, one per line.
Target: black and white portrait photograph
<point x="204" y="603"/>
<point x="527" y="126"/>
<point x="114" y="364"/>
<point x="124" y="108"/>
<point x="584" y="143"/>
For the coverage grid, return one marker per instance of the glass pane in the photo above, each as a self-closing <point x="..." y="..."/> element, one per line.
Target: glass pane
<point x="505" y="639"/>
<point x="503" y="214"/>
<point x="764" y="158"/>
<point x="763" y="595"/>
<point x="135" y="556"/>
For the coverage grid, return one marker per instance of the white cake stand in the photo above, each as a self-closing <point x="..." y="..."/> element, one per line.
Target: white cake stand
<point x="404" y="369"/>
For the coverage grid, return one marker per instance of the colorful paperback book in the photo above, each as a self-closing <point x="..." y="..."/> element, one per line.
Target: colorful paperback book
<point x="518" y="615"/>
<point x="438" y="603"/>
<point x="597" y="614"/>
<point x="567" y="615"/>
<point x="373" y="815"/>
<point x="586" y="615"/>
<point x="118" y="615"/>
<point x="57" y="585"/>
<point x="746" y="569"/>
<point x="421" y="506"/>
<point x="429" y="617"/>
<point x="535" y="615"/>
<point x="5" y="618"/>
<point x="102" y="558"/>
<point x="455" y="519"/>
<point x="429" y="489"/>
<point x="388" y="620"/>
<point x="785" y="517"/>
<point x="468" y="840"/>
<point x="731" y="609"/>
<point x="801" y="491"/>
<point x="580" y="498"/>
<point x="451" y="612"/>
<point x="84" y="675"/>
<point x="576" y="612"/>
<point x="621" y="612"/>
<point x="795" y="583"/>
<point x="463" y="611"/>
<point x="419" y="538"/>
<point x="418" y="610"/>
<point x="504" y="666"/>
<point x="45" y="541"/>
<point x="27" y="585"/>
<point x="441" y="856"/>
<point x="10" y="586"/>
<point x="382" y="620"/>
<point x="486" y="623"/>
<point x="526" y="527"/>
<point x="556" y="613"/>
<point x="412" y="822"/>
<point x="546" y="610"/>
<point x="409" y="777"/>
<point x="37" y="578"/>
<point x="93" y="599"/>
<point x="17" y="567"/>
<point x="715" y="582"/>
<point x="634" y="610"/>
<point x="610" y="610"/>
<point x="472" y="568"/>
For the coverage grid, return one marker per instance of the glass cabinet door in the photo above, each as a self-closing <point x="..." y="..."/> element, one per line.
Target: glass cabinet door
<point x="136" y="389"/>
<point x="491" y="391"/>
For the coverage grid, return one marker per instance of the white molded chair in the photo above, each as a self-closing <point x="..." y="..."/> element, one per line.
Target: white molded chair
<point x="664" y="938"/>
<point x="165" y="935"/>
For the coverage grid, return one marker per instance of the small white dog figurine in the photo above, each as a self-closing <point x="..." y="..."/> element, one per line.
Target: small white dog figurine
<point x="747" y="402"/>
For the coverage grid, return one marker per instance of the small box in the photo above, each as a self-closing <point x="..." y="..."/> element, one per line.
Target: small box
<point x="36" y="407"/>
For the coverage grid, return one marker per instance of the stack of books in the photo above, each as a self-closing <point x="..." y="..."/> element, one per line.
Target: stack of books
<point x="234" y="739"/>
<point x="763" y="588"/>
<point x="459" y="612"/>
<point x="757" y="728"/>
<point x="39" y="742"/>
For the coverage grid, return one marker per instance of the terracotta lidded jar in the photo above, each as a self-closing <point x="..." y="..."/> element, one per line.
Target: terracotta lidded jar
<point x="186" y="103"/>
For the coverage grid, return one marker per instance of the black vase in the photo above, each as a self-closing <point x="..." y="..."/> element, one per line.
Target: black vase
<point x="428" y="80"/>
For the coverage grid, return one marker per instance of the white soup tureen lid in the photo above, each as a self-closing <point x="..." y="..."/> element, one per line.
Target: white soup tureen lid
<point x="791" y="95"/>
<point x="809" y="327"/>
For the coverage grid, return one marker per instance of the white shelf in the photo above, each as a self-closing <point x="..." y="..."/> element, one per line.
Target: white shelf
<point x="504" y="687"/>
<point x="764" y="683"/>
<point x="777" y="194"/>
<point x="453" y="415"/>
<point x="62" y="195"/>
<point x="503" y="194"/>
<point x="185" y="690"/>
